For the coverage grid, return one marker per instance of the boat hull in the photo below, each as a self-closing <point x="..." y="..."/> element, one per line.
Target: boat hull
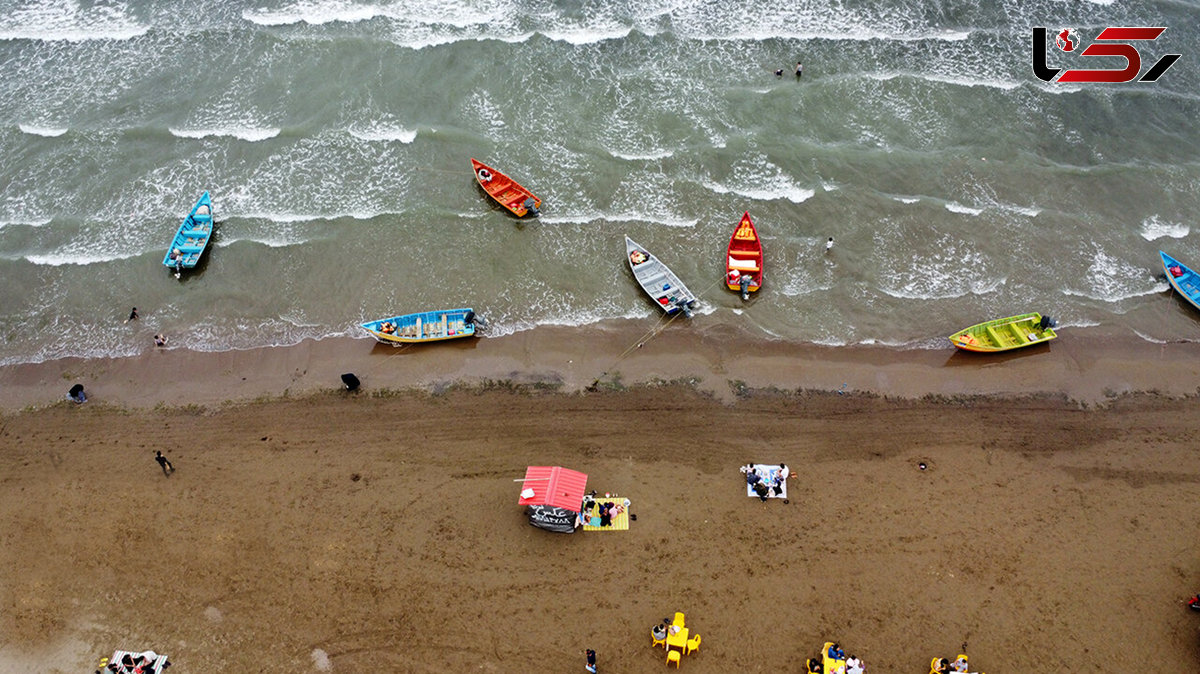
<point x="425" y="326"/>
<point x="1186" y="283"/>
<point x="192" y="237"/>
<point x="657" y="280"/>
<point x="505" y="191"/>
<point x="743" y="257"/>
<point x="1003" y="334"/>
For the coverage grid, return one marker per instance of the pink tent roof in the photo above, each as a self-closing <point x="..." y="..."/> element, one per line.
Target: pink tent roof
<point x="554" y="486"/>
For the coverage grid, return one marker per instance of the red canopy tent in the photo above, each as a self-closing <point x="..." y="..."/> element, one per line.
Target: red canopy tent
<point x="553" y="496"/>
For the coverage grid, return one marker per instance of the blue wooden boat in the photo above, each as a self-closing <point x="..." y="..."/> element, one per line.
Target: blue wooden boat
<point x="426" y="326"/>
<point x="191" y="238"/>
<point x="1182" y="279"/>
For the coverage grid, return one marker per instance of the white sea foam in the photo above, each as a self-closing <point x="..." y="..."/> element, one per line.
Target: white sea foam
<point x="907" y="200"/>
<point x="1155" y="227"/>
<point x="955" y="207"/>
<point x="268" y="241"/>
<point x="250" y="134"/>
<point x="69" y="21"/>
<point x="1114" y="280"/>
<point x="384" y="132"/>
<point x="588" y="34"/>
<point x="80" y="258"/>
<point x="793" y="193"/>
<point x="314" y="12"/>
<point x="288" y="218"/>
<point x="641" y="156"/>
<point x="25" y="222"/>
<point x="47" y="131"/>
<point x="625" y="217"/>
<point x="1148" y="338"/>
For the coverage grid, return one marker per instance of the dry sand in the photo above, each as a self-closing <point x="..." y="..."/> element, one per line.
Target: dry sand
<point x="1054" y="530"/>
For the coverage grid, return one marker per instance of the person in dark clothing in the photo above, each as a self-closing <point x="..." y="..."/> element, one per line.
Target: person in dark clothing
<point x="163" y="463"/>
<point x="77" y="395"/>
<point x="762" y="490"/>
<point x="591" y="661"/>
<point x="133" y="315"/>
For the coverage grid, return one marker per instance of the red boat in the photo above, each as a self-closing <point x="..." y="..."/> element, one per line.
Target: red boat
<point x="744" y="259"/>
<point x="506" y="191"/>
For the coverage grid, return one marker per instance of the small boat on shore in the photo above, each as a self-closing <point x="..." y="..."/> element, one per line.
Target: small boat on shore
<point x="1182" y="279"/>
<point x="506" y="191"/>
<point x="1005" y="334"/>
<point x="426" y="326"/>
<point x="744" y="259"/>
<point x="191" y="238"/>
<point x="659" y="282"/>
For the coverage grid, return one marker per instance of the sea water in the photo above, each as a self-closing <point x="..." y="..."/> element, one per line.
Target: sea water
<point x="335" y="139"/>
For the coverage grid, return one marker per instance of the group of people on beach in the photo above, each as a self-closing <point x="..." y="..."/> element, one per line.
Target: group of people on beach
<point x="765" y="482"/>
<point x="853" y="664"/>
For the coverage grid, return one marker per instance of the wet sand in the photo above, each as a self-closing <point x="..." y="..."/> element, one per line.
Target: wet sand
<point x="1054" y="525"/>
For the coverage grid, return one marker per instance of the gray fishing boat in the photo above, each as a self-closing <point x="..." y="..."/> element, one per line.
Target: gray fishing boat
<point x="659" y="282"/>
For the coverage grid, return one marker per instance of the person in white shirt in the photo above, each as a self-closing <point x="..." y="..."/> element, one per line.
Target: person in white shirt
<point x="777" y="488"/>
<point x="855" y="666"/>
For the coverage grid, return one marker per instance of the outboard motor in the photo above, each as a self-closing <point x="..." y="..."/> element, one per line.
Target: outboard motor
<point x="686" y="307"/>
<point x="1047" y="322"/>
<point x="471" y="319"/>
<point x="744" y="282"/>
<point x="531" y="206"/>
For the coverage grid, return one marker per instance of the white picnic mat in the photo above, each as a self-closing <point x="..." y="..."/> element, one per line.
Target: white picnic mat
<point x="157" y="662"/>
<point x="769" y="474"/>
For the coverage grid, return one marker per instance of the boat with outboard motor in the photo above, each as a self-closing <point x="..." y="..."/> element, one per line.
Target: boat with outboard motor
<point x="744" y="259"/>
<point x="1006" y="334"/>
<point x="506" y="191"/>
<point x="659" y="282"/>
<point x="425" y="326"/>
<point x="191" y="238"/>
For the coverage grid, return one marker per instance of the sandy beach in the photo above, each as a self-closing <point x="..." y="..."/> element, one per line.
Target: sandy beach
<point x="1053" y="526"/>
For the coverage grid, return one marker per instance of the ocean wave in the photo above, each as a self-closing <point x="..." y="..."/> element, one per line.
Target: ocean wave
<point x="906" y="200"/>
<point x="793" y="193"/>
<point x="270" y="242"/>
<point x="26" y="222"/>
<point x="1154" y="227"/>
<point x="957" y="80"/>
<point x="640" y="156"/>
<point x="61" y="258"/>
<point x="1114" y="280"/>
<point x="596" y="216"/>
<point x="250" y="134"/>
<point x="588" y="35"/>
<point x="289" y="218"/>
<point x="315" y="13"/>
<point x="66" y="21"/>
<point x="1113" y="296"/>
<point x="1148" y="338"/>
<point x="955" y="207"/>
<point x="384" y="133"/>
<point x="47" y="131"/>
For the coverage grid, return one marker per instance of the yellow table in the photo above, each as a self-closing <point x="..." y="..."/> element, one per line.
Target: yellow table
<point x="678" y="640"/>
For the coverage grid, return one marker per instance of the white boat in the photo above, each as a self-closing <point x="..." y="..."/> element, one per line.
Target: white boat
<point x="659" y="282"/>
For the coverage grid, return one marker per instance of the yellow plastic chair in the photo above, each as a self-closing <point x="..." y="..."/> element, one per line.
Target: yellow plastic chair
<point x="655" y="641"/>
<point x="678" y="622"/>
<point x="693" y="644"/>
<point x="673" y="656"/>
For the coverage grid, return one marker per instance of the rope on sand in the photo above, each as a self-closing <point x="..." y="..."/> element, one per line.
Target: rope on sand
<point x="659" y="325"/>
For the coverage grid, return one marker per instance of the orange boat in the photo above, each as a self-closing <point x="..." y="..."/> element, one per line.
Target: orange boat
<point x="505" y="190"/>
<point x="744" y="259"/>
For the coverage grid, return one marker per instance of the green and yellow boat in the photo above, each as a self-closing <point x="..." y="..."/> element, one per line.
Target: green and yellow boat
<point x="1005" y="334"/>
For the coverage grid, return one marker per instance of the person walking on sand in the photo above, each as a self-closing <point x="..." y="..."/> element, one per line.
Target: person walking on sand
<point x="133" y="315"/>
<point x="163" y="463"/>
<point x="591" y="661"/>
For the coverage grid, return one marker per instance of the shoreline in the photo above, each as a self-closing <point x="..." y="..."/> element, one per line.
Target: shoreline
<point x="1087" y="366"/>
